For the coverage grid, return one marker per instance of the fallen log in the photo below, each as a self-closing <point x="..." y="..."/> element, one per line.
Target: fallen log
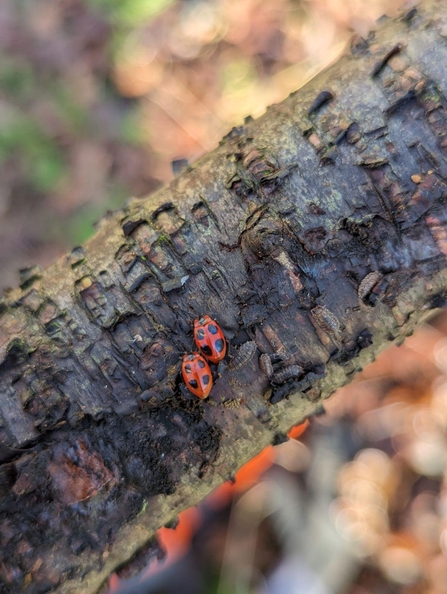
<point x="315" y="236"/>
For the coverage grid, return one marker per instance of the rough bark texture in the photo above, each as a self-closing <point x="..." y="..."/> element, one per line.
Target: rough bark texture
<point x="316" y="234"/>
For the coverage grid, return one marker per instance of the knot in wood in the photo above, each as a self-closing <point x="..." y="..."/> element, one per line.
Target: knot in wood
<point x="258" y="163"/>
<point x="264" y="237"/>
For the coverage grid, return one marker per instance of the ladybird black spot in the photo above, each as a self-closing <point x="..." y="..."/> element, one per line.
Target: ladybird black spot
<point x="193" y="384"/>
<point x="206" y="380"/>
<point x="188" y="368"/>
<point x="219" y="345"/>
<point x="207" y="350"/>
<point x="200" y="334"/>
<point x="212" y="328"/>
<point x="201" y="363"/>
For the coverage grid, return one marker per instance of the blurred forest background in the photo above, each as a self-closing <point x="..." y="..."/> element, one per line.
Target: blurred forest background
<point x="97" y="97"/>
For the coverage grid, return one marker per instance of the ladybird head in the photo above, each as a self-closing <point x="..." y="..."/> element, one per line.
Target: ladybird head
<point x="202" y="321"/>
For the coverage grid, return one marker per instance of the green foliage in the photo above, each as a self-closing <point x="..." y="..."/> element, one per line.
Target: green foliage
<point x="16" y="77"/>
<point x="130" y="128"/>
<point x="21" y="138"/>
<point x="71" y="111"/>
<point x="163" y="240"/>
<point x="131" y="13"/>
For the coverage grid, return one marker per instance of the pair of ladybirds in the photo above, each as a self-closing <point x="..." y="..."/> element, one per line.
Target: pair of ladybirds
<point x="210" y="341"/>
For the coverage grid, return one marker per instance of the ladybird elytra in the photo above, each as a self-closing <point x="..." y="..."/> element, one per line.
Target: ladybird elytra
<point x="196" y="374"/>
<point x="209" y="339"/>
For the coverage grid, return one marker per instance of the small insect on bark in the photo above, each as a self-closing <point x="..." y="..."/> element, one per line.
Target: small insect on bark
<point x="288" y="373"/>
<point x="281" y="393"/>
<point x="326" y="320"/>
<point x="244" y="356"/>
<point x="265" y="363"/>
<point x="367" y="284"/>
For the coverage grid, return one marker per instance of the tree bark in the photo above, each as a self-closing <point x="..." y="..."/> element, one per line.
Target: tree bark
<point x="315" y="234"/>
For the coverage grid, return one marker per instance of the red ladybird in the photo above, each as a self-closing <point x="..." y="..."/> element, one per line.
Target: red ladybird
<point x="209" y="339"/>
<point x="197" y="375"/>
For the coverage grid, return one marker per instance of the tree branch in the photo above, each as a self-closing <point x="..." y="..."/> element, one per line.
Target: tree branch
<point x="315" y="235"/>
